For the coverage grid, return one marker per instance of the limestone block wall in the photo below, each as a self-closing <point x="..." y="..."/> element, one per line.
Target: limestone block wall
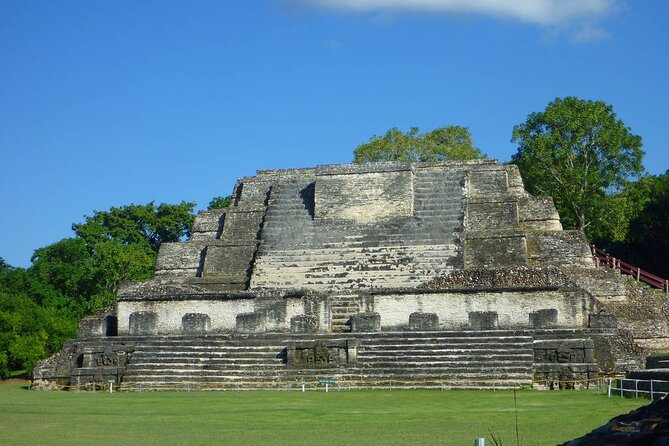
<point x="487" y="180"/>
<point x="365" y="193"/>
<point x="604" y="285"/>
<point x="538" y="214"/>
<point x="450" y="311"/>
<point x="513" y="308"/>
<point x="505" y="226"/>
<point x="179" y="260"/>
<point x="559" y="248"/>
<point x="494" y="249"/>
<point x="169" y="313"/>
<point x="208" y="224"/>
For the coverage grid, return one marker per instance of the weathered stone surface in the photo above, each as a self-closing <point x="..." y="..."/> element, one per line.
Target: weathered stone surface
<point x="485" y="215"/>
<point x="559" y="248"/>
<point x="195" y="323"/>
<point x="104" y="323"/>
<point x="208" y="224"/>
<point x="250" y="323"/>
<point x="380" y="253"/>
<point x="488" y="181"/>
<point x="483" y="320"/>
<point x="503" y="278"/>
<point x="143" y="323"/>
<point x="320" y="354"/>
<point x="495" y="250"/>
<point x="544" y="318"/>
<point x="179" y="259"/>
<point x="538" y="214"/>
<point x="602" y="321"/>
<point x="304" y="323"/>
<point x="363" y="322"/>
<point x="364" y="196"/>
<point x="423" y="321"/>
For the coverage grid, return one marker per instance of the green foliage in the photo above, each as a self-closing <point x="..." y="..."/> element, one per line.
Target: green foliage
<point x="651" y="225"/>
<point x="60" y="272"/>
<point x="138" y="224"/>
<point x="578" y="152"/>
<point x="444" y="143"/>
<point x="29" y="332"/>
<point x="645" y="243"/>
<point x="74" y="277"/>
<point x="219" y="202"/>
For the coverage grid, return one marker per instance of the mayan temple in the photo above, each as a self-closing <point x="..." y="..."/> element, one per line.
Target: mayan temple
<point x="383" y="274"/>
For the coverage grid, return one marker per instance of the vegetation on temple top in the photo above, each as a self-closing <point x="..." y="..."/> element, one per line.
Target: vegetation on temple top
<point x="442" y="144"/>
<point x="219" y="202"/>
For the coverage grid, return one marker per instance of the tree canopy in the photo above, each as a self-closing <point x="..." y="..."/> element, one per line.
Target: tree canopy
<point x="645" y="243"/>
<point x="441" y="144"/>
<point x="219" y="202"/>
<point x="581" y="154"/>
<point x="77" y="276"/>
<point x="144" y="224"/>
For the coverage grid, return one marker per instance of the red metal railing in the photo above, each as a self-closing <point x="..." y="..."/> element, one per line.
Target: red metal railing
<point x="604" y="260"/>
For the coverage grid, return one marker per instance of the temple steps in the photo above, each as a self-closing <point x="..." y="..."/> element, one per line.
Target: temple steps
<point x="398" y="359"/>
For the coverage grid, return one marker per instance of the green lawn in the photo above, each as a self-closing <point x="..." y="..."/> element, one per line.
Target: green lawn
<point x="380" y="417"/>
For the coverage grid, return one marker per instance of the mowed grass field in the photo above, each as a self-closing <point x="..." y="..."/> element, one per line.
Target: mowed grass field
<point x="372" y="417"/>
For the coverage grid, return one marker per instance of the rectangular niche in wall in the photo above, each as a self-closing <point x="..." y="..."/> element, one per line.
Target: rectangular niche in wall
<point x="143" y="323"/>
<point x="195" y="323"/>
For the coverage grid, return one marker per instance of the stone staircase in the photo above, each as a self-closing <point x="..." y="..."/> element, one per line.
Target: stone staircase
<point x="465" y="359"/>
<point x="399" y="359"/>
<point x="341" y="310"/>
<point x="298" y="251"/>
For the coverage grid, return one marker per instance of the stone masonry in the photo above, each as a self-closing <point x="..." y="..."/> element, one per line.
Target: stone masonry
<point x="326" y="269"/>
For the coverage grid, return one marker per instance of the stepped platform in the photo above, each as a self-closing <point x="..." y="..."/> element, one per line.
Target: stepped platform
<point x="434" y="359"/>
<point x="444" y="274"/>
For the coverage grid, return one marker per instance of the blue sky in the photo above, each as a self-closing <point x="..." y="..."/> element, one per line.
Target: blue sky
<point x="107" y="103"/>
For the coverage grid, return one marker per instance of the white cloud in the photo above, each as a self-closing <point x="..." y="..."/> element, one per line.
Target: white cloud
<point x="539" y="12"/>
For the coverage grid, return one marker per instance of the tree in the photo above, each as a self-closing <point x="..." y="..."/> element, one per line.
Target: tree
<point x="83" y="273"/>
<point x="40" y="306"/>
<point x="444" y="143"/>
<point x="219" y="202"/>
<point x="4" y="265"/>
<point x="581" y="154"/>
<point x="144" y="224"/>
<point x="647" y="240"/>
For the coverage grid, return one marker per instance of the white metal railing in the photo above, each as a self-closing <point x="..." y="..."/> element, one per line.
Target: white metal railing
<point x="653" y="388"/>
